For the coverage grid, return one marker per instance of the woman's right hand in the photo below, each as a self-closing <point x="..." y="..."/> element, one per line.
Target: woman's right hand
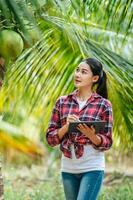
<point x="62" y="131"/>
<point x="72" y="118"/>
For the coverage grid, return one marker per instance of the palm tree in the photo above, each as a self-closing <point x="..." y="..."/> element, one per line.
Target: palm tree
<point x="70" y="31"/>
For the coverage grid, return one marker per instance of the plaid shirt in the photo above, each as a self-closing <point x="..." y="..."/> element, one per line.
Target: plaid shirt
<point x="96" y="109"/>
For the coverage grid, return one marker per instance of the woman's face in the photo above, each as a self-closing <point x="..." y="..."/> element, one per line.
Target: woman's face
<point x="83" y="76"/>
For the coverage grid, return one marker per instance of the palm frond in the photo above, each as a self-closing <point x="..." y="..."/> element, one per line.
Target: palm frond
<point x="44" y="72"/>
<point x="111" y="15"/>
<point x="14" y="138"/>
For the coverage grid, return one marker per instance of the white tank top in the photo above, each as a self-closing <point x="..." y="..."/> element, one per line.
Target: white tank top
<point x="92" y="159"/>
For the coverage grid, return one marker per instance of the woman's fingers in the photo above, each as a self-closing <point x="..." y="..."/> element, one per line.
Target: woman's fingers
<point x="75" y="117"/>
<point x="85" y="129"/>
<point x="72" y="118"/>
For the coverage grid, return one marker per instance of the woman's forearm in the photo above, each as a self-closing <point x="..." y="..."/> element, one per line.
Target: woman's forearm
<point x="62" y="131"/>
<point x="95" y="139"/>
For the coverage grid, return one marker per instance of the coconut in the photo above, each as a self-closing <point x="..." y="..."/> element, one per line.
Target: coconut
<point x="11" y="44"/>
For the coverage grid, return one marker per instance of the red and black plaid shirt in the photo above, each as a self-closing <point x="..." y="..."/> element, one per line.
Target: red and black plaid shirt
<point x="96" y="109"/>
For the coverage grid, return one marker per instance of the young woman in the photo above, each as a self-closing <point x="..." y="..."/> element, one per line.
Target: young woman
<point x="83" y="163"/>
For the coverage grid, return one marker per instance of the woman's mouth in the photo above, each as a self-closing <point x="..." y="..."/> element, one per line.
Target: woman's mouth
<point x="77" y="81"/>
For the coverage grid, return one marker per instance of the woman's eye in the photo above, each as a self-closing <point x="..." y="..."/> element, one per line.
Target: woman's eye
<point x="77" y="70"/>
<point x="84" y="72"/>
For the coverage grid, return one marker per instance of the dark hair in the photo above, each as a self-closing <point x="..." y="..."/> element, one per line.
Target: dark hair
<point x="97" y="69"/>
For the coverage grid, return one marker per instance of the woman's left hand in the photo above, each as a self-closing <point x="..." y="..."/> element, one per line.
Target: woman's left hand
<point x="86" y="130"/>
<point x="90" y="133"/>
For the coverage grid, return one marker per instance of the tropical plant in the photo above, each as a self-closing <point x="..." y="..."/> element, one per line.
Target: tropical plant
<point x="70" y="31"/>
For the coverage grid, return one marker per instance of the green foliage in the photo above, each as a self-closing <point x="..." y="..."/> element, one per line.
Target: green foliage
<point x="16" y="14"/>
<point x="70" y="31"/>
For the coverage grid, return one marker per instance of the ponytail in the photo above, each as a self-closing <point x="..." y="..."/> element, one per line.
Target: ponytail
<point x="102" y="85"/>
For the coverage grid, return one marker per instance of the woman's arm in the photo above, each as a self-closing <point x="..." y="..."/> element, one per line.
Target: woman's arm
<point x="100" y="141"/>
<point x="55" y="132"/>
<point x="62" y="131"/>
<point x="106" y="136"/>
<point x="89" y="132"/>
<point x="54" y="124"/>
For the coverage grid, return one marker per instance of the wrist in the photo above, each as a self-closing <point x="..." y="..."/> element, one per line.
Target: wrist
<point x="91" y="135"/>
<point x="62" y="131"/>
<point x="95" y="139"/>
<point x="66" y="127"/>
<point x="99" y="140"/>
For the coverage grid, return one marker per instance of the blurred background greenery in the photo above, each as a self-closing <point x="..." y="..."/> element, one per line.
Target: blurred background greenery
<point x="37" y="64"/>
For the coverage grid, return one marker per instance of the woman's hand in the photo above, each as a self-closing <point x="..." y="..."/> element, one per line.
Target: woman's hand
<point x="62" y="131"/>
<point x="86" y="130"/>
<point x="72" y="118"/>
<point x="90" y="133"/>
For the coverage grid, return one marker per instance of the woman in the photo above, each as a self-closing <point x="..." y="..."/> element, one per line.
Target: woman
<point x="83" y="164"/>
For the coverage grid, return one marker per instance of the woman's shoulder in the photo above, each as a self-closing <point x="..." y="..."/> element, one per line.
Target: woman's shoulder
<point x="62" y="99"/>
<point x="105" y="102"/>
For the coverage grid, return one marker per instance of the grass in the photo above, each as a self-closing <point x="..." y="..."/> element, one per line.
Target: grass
<point x="48" y="189"/>
<point x="29" y="185"/>
<point x="121" y="191"/>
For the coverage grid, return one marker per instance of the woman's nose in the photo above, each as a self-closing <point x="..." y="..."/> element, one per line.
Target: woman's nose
<point x="77" y="74"/>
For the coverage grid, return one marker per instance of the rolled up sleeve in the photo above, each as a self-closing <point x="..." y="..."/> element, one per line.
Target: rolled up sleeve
<point x="106" y="135"/>
<point x="51" y="134"/>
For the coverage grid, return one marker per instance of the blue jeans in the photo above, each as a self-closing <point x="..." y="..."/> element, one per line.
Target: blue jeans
<point x="83" y="186"/>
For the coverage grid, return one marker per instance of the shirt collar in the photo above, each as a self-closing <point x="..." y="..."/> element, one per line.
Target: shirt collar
<point x="93" y="96"/>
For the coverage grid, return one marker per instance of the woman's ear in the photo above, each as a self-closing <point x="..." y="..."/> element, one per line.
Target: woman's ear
<point x="95" y="78"/>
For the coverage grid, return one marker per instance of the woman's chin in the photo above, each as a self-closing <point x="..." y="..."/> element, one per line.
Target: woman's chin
<point x="77" y="86"/>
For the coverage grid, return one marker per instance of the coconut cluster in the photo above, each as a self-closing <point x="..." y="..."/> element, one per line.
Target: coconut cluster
<point x="11" y="44"/>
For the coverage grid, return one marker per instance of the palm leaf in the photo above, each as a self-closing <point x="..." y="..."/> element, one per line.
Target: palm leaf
<point x="14" y="138"/>
<point x="44" y="72"/>
<point x="50" y="67"/>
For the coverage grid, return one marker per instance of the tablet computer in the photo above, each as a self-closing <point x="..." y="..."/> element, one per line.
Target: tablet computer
<point x="98" y="125"/>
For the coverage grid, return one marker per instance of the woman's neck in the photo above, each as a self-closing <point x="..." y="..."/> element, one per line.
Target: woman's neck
<point x="84" y="94"/>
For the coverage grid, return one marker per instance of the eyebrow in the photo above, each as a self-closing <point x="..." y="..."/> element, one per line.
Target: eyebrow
<point x="85" y="69"/>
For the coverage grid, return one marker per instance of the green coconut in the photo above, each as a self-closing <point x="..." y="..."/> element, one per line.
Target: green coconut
<point x="11" y="44"/>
